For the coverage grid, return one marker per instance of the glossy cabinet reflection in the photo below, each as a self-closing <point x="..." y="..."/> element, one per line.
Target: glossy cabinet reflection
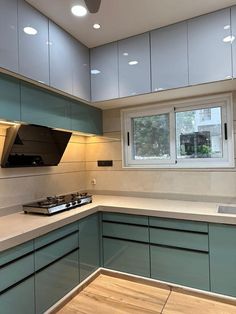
<point x="169" y="57"/>
<point x="134" y="65"/>
<point x="233" y="39"/>
<point x="80" y="70"/>
<point x="60" y="59"/>
<point x="33" y="43"/>
<point x="44" y="108"/>
<point x="209" y="45"/>
<point x="10" y="98"/>
<point x="8" y="35"/>
<point x="104" y="72"/>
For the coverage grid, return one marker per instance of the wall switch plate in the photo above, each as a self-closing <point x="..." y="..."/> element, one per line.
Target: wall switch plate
<point x="105" y="163"/>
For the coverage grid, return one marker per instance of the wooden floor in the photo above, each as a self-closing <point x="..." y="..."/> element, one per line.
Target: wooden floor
<point x="109" y="295"/>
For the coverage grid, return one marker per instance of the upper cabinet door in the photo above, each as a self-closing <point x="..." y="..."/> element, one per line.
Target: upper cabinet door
<point x="233" y="25"/>
<point x="134" y="65"/>
<point x="8" y="35"/>
<point x="80" y="70"/>
<point x="33" y="43"/>
<point x="104" y="72"/>
<point x="209" y="42"/>
<point x="60" y="58"/>
<point x="169" y="57"/>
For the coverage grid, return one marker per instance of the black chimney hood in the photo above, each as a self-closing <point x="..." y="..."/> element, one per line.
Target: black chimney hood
<point x="33" y="146"/>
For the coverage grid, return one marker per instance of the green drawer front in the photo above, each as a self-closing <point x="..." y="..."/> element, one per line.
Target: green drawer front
<point x="16" y="252"/>
<point x="222" y="240"/>
<point x="19" y="299"/>
<point x="129" y="219"/>
<point x="16" y="271"/>
<point x="55" y="235"/>
<point x="56" y="250"/>
<point x="181" y="239"/>
<point x="53" y="282"/>
<point x="186" y="268"/>
<point x="179" y="224"/>
<point x="125" y="256"/>
<point x="128" y="232"/>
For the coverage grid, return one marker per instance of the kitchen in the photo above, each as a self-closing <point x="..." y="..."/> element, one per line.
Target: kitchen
<point x="148" y="112"/>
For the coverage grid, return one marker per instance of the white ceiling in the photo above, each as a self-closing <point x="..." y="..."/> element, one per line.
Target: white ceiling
<point x="123" y="18"/>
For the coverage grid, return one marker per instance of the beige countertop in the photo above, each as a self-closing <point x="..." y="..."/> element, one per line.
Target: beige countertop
<point x="18" y="227"/>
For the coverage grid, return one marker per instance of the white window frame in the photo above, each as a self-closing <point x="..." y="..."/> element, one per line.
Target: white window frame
<point x="224" y="101"/>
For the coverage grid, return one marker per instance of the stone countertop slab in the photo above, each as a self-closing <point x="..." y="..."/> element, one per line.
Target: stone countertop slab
<point x="19" y="227"/>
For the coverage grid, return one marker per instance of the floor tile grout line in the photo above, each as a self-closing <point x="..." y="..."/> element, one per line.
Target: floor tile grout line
<point x="166" y="301"/>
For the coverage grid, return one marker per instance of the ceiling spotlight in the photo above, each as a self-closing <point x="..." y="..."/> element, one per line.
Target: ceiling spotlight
<point x="133" y="62"/>
<point x="96" y="26"/>
<point x="79" y="10"/>
<point x="228" y="39"/>
<point x="30" y="30"/>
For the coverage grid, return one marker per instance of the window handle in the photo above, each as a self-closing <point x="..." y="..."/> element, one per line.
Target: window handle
<point x="128" y="138"/>
<point x="226" y="131"/>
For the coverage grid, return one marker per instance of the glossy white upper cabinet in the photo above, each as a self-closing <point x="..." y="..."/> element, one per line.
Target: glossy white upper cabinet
<point x="233" y="38"/>
<point x="61" y="56"/>
<point x="8" y="35"/>
<point x="104" y="72"/>
<point x="33" y="43"/>
<point x="80" y="70"/>
<point x="209" y="42"/>
<point x="169" y="57"/>
<point x="134" y="65"/>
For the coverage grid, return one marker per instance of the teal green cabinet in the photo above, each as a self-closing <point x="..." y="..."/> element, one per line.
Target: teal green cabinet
<point x="44" y="108"/>
<point x="89" y="242"/>
<point x="125" y="218"/>
<point x="55" y="281"/>
<point x="179" y="224"/>
<point x="19" y="299"/>
<point x="85" y="118"/>
<point x="183" y="267"/>
<point x="10" y="98"/>
<point x="222" y="240"/>
<point x="126" y="256"/>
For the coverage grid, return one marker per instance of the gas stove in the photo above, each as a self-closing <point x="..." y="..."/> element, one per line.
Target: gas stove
<point x="55" y="204"/>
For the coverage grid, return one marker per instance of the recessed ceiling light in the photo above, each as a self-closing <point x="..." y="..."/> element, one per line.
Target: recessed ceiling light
<point x="30" y="30"/>
<point x="79" y="10"/>
<point x="95" y="71"/>
<point x="125" y="54"/>
<point x="228" y="39"/>
<point x="133" y="62"/>
<point x="96" y="26"/>
<point x="227" y="27"/>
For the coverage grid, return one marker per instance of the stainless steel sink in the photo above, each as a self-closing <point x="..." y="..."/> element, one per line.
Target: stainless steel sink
<point x="224" y="209"/>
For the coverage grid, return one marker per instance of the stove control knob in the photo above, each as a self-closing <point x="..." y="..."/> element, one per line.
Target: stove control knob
<point x="68" y="205"/>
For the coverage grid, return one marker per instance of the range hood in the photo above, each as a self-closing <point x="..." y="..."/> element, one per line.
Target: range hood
<point x="33" y="146"/>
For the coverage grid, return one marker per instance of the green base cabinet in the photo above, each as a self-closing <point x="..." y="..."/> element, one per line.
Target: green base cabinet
<point x="126" y="256"/>
<point x="19" y="299"/>
<point x="89" y="245"/>
<point x="222" y="239"/>
<point x="55" y="281"/>
<point x="10" y="98"/>
<point x="182" y="267"/>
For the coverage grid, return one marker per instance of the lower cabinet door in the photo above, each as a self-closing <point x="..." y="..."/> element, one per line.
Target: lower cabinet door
<point x="126" y="256"/>
<point x="19" y="299"/>
<point x="182" y="267"/>
<point x="56" y="280"/>
<point x="89" y="253"/>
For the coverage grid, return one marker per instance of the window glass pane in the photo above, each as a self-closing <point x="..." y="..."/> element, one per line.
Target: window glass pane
<point x="199" y="133"/>
<point x="151" y="137"/>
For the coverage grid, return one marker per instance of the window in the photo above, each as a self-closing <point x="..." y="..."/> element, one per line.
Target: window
<point x="180" y="134"/>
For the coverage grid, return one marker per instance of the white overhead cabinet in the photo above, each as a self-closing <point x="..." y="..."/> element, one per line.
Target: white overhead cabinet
<point x="104" y="72"/>
<point x="209" y="43"/>
<point x="33" y="43"/>
<point x="60" y="59"/>
<point x="134" y="65"/>
<point x="80" y="70"/>
<point x="8" y="35"/>
<point x="233" y="38"/>
<point x="169" y="57"/>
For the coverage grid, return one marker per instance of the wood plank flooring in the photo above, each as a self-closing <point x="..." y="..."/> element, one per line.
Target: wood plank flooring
<point x="110" y="295"/>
